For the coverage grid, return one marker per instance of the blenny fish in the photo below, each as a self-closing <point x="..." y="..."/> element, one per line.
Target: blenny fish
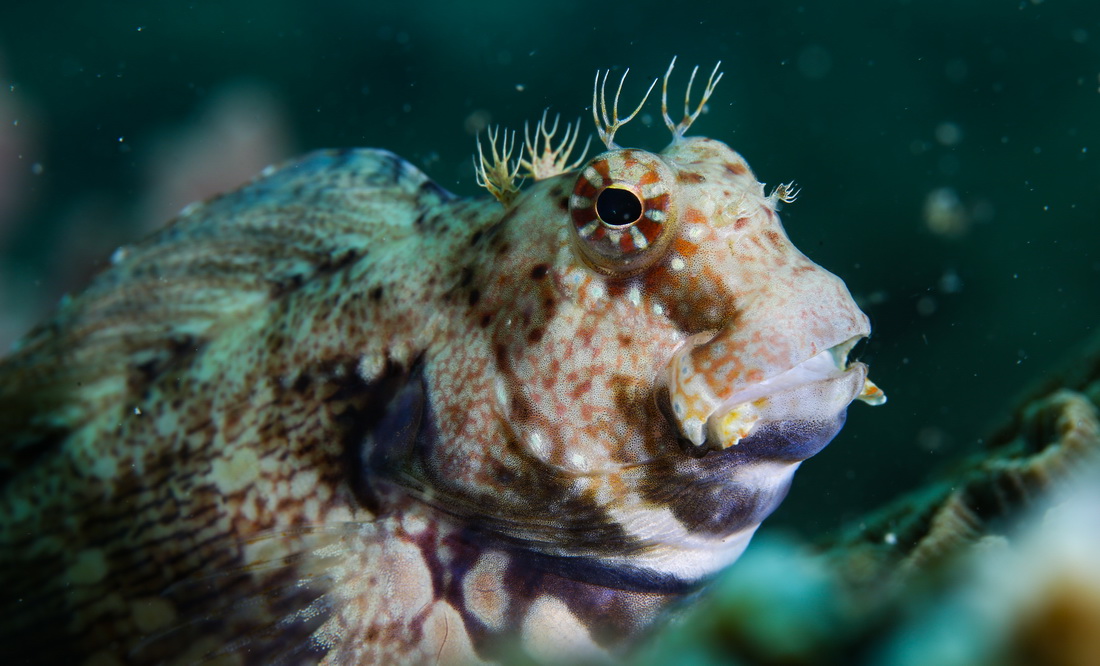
<point x="341" y="415"/>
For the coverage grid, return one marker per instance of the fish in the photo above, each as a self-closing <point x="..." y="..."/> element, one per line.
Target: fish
<point x="343" y="416"/>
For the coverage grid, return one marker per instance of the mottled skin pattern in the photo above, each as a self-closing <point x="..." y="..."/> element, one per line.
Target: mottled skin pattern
<point x="342" y="416"/>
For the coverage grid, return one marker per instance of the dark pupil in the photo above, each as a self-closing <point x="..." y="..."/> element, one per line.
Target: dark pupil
<point x="618" y="207"/>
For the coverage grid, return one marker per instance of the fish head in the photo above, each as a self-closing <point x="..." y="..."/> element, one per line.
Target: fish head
<point x="650" y="359"/>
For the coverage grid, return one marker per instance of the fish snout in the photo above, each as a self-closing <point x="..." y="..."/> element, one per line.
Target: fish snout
<point x="776" y="365"/>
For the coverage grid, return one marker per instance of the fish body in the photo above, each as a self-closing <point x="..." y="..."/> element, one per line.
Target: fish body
<point x="343" y="416"/>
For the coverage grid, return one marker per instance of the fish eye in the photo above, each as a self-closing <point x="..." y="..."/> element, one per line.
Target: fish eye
<point x="618" y="207"/>
<point x="623" y="211"/>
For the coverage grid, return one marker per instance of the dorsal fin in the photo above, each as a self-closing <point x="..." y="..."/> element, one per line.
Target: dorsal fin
<point x="218" y="263"/>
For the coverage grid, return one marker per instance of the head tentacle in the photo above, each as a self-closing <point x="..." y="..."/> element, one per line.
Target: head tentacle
<point x="497" y="172"/>
<point x="679" y="129"/>
<point x="550" y="160"/>
<point x="612" y="124"/>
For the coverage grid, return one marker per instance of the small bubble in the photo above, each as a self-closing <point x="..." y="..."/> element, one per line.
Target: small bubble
<point x="814" y="62"/>
<point x="956" y="70"/>
<point x="944" y="213"/>
<point x="926" y="306"/>
<point x="948" y="133"/>
<point x="931" y="438"/>
<point x="37" y="168"/>
<point x="950" y="282"/>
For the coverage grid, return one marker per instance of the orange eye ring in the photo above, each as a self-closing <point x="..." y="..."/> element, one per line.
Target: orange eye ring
<point x="622" y="210"/>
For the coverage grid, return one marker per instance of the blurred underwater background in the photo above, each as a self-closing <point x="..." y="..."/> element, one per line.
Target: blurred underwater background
<point x="948" y="154"/>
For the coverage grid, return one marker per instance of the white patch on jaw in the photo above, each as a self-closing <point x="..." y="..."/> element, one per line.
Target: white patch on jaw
<point x="551" y="633"/>
<point x="483" y="590"/>
<point x="634" y="295"/>
<point x="672" y="549"/>
<point x="446" y="637"/>
<point x="405" y="575"/>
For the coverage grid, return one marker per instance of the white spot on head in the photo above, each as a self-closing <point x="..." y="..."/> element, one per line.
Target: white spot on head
<point x="634" y="295"/>
<point x="537" y="444"/>
<point x="597" y="291"/>
<point x="500" y="392"/>
<point x="578" y="462"/>
<point x="678" y="264"/>
<point x="695" y="232"/>
<point x="658" y="309"/>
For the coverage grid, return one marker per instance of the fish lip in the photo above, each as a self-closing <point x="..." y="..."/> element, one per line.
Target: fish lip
<point x="827" y="364"/>
<point x="816" y="389"/>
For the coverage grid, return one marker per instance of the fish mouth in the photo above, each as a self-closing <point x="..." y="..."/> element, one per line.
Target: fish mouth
<point x="813" y="391"/>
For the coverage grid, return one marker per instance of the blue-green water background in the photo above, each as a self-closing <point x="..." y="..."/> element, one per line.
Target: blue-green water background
<point x="870" y="106"/>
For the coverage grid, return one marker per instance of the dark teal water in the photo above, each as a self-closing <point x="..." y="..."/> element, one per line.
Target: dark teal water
<point x="876" y="109"/>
